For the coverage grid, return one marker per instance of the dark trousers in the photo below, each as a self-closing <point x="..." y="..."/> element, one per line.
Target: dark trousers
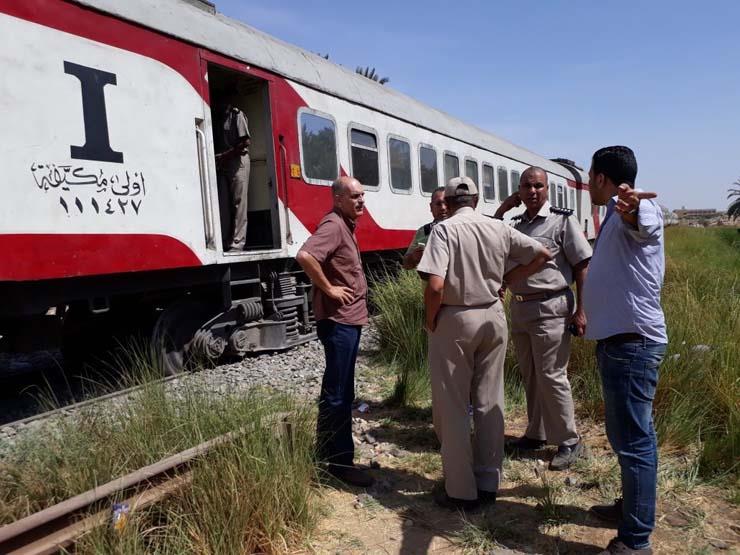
<point x="334" y="427"/>
<point x="629" y="375"/>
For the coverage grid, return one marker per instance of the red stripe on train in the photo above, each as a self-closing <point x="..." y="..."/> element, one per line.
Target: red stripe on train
<point x="103" y="28"/>
<point x="50" y="255"/>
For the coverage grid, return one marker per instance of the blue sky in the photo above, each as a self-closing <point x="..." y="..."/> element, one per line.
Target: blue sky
<point x="560" y="78"/>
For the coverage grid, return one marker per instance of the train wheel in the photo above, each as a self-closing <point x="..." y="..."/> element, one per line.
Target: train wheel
<point x="174" y="331"/>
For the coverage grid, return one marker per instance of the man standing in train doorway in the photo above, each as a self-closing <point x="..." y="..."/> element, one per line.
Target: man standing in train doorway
<point x="542" y="311"/>
<point x="464" y="263"/>
<point x="622" y="302"/>
<point x="438" y="206"/>
<point x="232" y="141"/>
<point x="331" y="259"/>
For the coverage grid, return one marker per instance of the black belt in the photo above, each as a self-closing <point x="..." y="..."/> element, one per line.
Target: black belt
<point x="623" y="338"/>
<point x="540" y="296"/>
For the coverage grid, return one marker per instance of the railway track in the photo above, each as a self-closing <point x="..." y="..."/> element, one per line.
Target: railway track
<point x="81" y="404"/>
<point x="60" y="526"/>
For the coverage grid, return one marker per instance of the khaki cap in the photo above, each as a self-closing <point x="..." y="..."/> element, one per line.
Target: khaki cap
<point x="460" y="186"/>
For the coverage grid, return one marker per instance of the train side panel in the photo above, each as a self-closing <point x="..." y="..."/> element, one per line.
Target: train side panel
<point x="100" y="156"/>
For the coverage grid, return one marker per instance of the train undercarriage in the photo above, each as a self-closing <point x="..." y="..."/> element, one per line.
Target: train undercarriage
<point x="189" y="316"/>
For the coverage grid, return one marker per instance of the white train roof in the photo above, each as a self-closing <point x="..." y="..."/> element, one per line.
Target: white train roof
<point x="237" y="40"/>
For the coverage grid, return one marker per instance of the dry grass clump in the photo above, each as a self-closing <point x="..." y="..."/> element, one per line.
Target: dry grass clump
<point x="255" y="494"/>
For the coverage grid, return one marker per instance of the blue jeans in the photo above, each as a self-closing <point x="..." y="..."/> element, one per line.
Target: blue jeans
<point x="334" y="427"/>
<point x="629" y="375"/>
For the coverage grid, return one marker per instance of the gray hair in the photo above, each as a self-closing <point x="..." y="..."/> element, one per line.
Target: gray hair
<point x="337" y="187"/>
<point x="533" y="169"/>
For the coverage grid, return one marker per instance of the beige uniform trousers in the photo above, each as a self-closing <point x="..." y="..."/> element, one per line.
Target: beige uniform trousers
<point x="466" y="360"/>
<point x="234" y="185"/>
<point x="542" y="343"/>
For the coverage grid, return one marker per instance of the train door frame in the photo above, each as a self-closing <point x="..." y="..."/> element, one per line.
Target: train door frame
<point x="265" y="135"/>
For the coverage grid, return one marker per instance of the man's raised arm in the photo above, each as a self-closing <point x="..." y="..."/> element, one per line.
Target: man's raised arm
<point x="523" y="271"/>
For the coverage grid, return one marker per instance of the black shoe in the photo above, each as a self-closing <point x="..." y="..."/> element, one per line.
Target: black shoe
<point x="525" y="444"/>
<point x="453" y="503"/>
<point x="486" y="497"/>
<point x="610" y="513"/>
<point x="616" y="547"/>
<point x="566" y="456"/>
<point x="351" y="475"/>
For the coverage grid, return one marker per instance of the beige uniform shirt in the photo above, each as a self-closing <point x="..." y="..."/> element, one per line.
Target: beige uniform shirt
<point x="470" y="252"/>
<point x="563" y="237"/>
<point x="234" y="128"/>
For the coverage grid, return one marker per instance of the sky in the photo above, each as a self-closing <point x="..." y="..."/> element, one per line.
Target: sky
<point x="561" y="78"/>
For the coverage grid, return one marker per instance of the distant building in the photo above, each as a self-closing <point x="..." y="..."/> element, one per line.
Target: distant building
<point x="697" y="213"/>
<point x="700" y="216"/>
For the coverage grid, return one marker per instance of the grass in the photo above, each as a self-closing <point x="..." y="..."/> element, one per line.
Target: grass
<point x="256" y="494"/>
<point x="400" y="323"/>
<point x="549" y="499"/>
<point x="476" y="538"/>
<point x="696" y="408"/>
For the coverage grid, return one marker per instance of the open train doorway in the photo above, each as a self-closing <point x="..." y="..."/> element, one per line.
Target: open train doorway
<point x="245" y="162"/>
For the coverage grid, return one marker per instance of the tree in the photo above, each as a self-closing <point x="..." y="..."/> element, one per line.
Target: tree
<point x="370" y="74"/>
<point x="733" y="211"/>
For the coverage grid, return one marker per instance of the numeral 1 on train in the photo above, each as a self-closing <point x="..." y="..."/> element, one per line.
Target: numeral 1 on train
<point x="97" y="143"/>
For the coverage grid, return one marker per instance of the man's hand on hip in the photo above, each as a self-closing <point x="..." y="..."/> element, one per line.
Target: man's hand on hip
<point x="340" y="293"/>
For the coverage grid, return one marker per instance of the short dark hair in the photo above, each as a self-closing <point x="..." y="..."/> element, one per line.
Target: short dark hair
<point x="618" y="163"/>
<point x="460" y="201"/>
<point x="438" y="190"/>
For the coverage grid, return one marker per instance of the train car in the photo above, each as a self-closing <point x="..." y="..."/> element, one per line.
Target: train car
<point x="110" y="216"/>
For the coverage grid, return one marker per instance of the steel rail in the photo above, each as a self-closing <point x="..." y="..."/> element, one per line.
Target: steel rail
<point x="86" y="402"/>
<point x="58" y="526"/>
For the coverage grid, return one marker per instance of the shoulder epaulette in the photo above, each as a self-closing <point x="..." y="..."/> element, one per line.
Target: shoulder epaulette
<point x="517" y="217"/>
<point x="493" y="217"/>
<point x="562" y="211"/>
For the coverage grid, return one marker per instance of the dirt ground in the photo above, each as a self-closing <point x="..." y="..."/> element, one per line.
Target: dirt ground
<point x="537" y="511"/>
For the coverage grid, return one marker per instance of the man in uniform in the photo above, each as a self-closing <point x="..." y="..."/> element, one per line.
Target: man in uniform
<point x="541" y="313"/>
<point x="232" y="163"/>
<point x="331" y="259"/>
<point x="464" y="262"/>
<point x="438" y="207"/>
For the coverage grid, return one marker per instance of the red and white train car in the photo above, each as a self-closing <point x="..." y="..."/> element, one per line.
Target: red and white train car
<point x="110" y="209"/>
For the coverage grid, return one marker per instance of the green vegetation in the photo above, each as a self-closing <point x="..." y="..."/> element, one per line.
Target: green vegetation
<point x="400" y="323"/>
<point x="255" y="494"/>
<point x="696" y="403"/>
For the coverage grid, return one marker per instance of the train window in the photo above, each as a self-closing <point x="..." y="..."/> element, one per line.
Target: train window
<point x="318" y="148"/>
<point x="515" y="177"/>
<point x="471" y="170"/>
<point x="503" y="183"/>
<point x="428" y="169"/>
<point x="399" y="158"/>
<point x="452" y="166"/>
<point x="560" y="197"/>
<point x="553" y="200"/>
<point x="364" y="147"/>
<point x="489" y="192"/>
<point x="573" y="200"/>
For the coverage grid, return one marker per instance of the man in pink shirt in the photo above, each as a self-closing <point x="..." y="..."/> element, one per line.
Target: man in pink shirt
<point x="331" y="259"/>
